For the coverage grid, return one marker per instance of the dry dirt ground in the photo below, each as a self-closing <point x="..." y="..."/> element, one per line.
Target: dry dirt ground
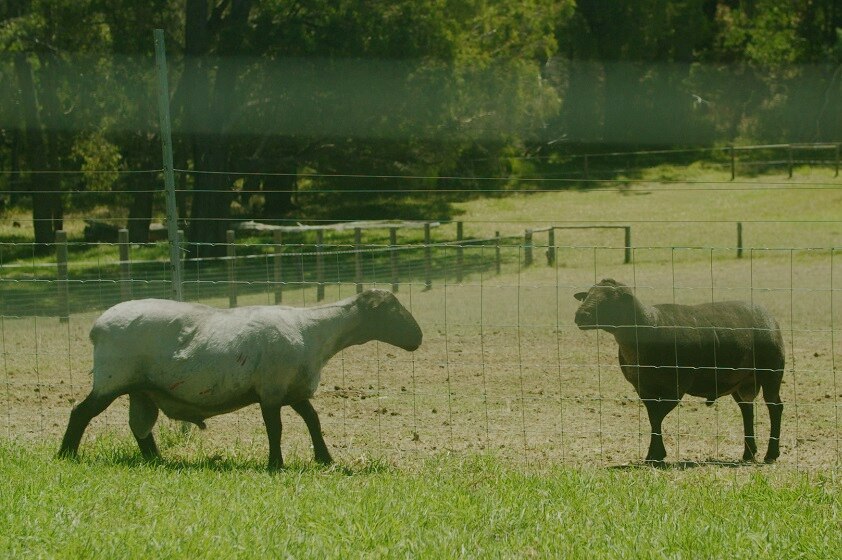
<point x="502" y="370"/>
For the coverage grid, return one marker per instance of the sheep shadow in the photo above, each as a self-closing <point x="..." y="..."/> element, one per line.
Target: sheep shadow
<point x="221" y="464"/>
<point x="685" y="465"/>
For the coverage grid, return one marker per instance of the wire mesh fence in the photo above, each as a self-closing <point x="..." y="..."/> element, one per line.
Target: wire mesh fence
<point x="503" y="368"/>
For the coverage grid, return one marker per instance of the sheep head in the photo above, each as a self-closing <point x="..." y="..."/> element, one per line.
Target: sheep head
<point x="387" y="320"/>
<point x="606" y="306"/>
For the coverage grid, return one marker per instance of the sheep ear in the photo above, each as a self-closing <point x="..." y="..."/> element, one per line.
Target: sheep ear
<point x="580" y="295"/>
<point x="372" y="299"/>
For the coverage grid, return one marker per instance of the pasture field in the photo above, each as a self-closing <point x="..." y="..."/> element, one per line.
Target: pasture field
<point x="509" y="432"/>
<point x="503" y="369"/>
<point x="199" y="505"/>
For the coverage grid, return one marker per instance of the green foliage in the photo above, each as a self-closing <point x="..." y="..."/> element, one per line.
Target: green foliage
<point x="432" y="88"/>
<point x="100" y="161"/>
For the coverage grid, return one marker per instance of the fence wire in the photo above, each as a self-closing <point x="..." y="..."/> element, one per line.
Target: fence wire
<point x="503" y="368"/>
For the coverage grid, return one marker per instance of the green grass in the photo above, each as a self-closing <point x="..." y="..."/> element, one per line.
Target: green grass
<point x="110" y="504"/>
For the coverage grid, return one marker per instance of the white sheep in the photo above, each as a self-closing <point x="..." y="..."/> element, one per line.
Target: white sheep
<point x="193" y="361"/>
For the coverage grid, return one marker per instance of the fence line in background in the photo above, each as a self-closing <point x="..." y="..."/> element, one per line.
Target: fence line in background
<point x="357" y="249"/>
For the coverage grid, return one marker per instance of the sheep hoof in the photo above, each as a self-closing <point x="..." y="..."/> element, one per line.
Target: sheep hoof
<point x="770" y="460"/>
<point x="67" y="454"/>
<point x="656" y="463"/>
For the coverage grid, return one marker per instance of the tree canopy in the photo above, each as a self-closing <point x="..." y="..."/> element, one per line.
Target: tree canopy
<point x="278" y="97"/>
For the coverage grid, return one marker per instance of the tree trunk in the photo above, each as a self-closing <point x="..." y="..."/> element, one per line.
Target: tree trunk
<point x="278" y="191"/>
<point x="46" y="201"/>
<point x="206" y="114"/>
<point x="139" y="217"/>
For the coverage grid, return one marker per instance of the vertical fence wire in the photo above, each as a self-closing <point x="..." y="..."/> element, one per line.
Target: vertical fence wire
<point x="482" y="348"/>
<point x="38" y="386"/>
<point x="793" y="361"/>
<point x="677" y="365"/>
<point x="558" y="351"/>
<point x="6" y="374"/>
<point x="639" y="401"/>
<point x="415" y="436"/>
<point x="520" y="355"/>
<point x="833" y="361"/>
<point x="715" y="370"/>
<point x="599" y="365"/>
<point x="343" y="384"/>
<point x="447" y="359"/>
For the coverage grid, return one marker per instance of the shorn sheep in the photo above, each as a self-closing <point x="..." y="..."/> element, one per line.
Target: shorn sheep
<point x="707" y="350"/>
<point x="193" y="361"/>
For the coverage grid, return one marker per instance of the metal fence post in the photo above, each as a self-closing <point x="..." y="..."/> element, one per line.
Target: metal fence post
<point x="125" y="265"/>
<point x="739" y="240"/>
<point x="61" y="273"/>
<point x="169" y="177"/>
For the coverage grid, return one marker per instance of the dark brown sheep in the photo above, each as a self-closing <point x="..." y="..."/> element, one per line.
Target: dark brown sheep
<point x="707" y="350"/>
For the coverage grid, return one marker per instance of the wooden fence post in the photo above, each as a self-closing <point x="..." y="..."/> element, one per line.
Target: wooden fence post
<point x="125" y="265"/>
<point x="232" y="273"/>
<point x="733" y="163"/>
<point x="627" y="256"/>
<point x="527" y="247"/>
<point x="551" y="247"/>
<point x="789" y="159"/>
<point x="393" y="256"/>
<point x="278" y="239"/>
<point x="739" y="240"/>
<point x="428" y="258"/>
<point x="61" y="273"/>
<point x="497" y="263"/>
<point x="320" y="266"/>
<point x="459" y="252"/>
<point x="358" y="259"/>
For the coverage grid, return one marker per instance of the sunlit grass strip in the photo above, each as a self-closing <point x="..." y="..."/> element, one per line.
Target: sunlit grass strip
<point x="111" y="504"/>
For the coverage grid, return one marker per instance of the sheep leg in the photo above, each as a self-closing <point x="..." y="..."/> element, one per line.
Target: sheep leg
<point x="771" y="394"/>
<point x="747" y="410"/>
<point x="311" y="418"/>
<point x="80" y="417"/>
<point x="143" y="413"/>
<point x="272" y="419"/>
<point x="657" y="409"/>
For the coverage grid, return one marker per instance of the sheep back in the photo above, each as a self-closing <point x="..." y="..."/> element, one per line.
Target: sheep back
<point x="198" y="354"/>
<point x="714" y="347"/>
